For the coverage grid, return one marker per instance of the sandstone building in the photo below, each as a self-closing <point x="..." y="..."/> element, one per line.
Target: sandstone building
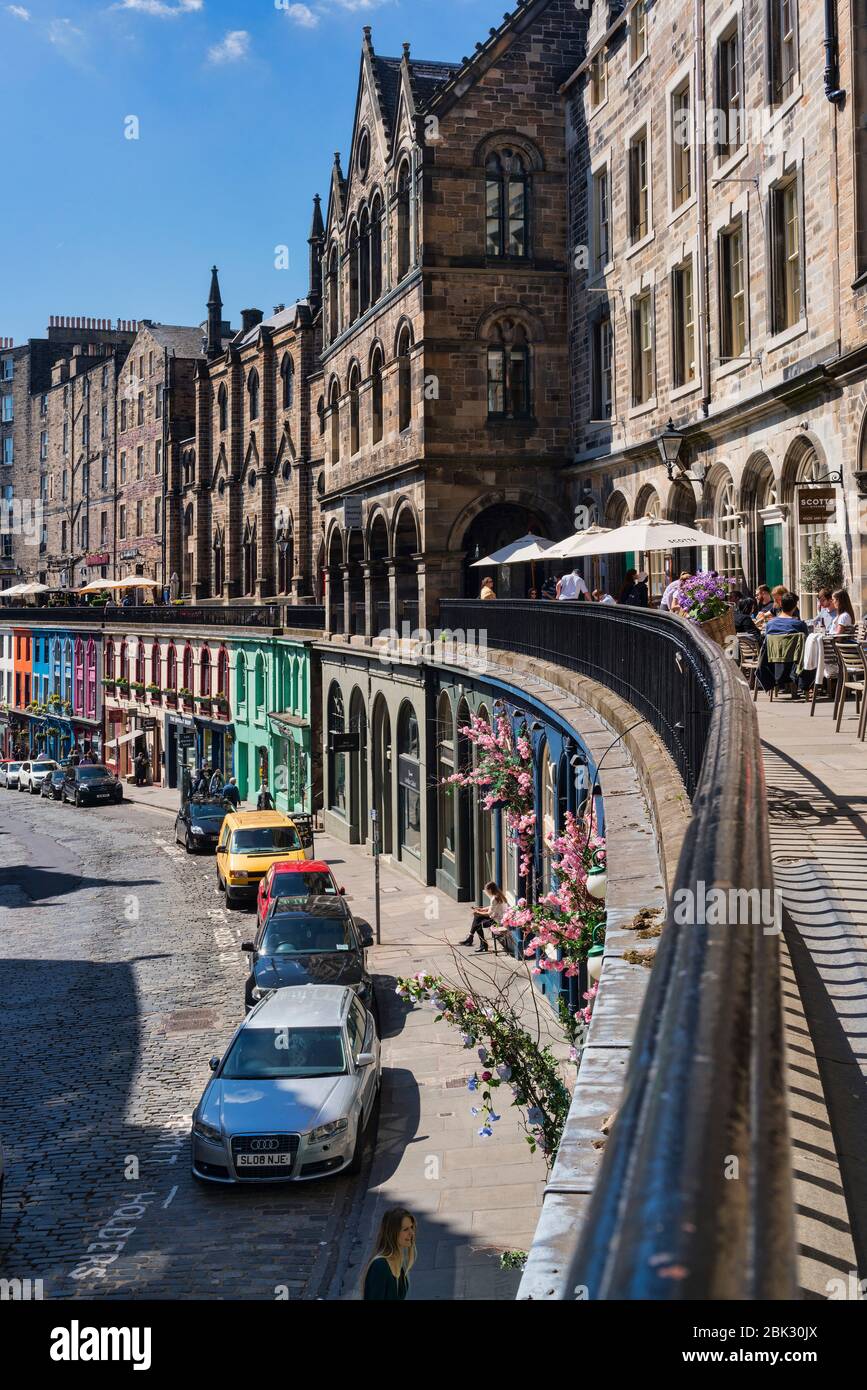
<point x="718" y="202"/>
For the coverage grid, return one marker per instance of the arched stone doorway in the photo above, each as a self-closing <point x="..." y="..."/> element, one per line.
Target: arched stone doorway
<point x="763" y="559"/>
<point x="335" y="615"/>
<point x="485" y="853"/>
<point x="616" y="514"/>
<point x="378" y="555"/>
<point x="407" y="545"/>
<point x="803" y="464"/>
<point x="355" y="561"/>
<point x="493" y="528"/>
<point x="682" y="509"/>
<point x="409" y="785"/>
<point x="652" y="561"/>
<point x="382" y="773"/>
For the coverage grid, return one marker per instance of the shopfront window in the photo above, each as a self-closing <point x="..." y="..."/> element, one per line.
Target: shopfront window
<point x="445" y="767"/>
<point x="727" y="524"/>
<point x="409" y="780"/>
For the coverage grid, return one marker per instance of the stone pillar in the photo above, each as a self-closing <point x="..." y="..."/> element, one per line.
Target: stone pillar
<point x="347" y="601"/>
<point x="391" y="570"/>
<point x="369" y="614"/>
<point x="326" y="574"/>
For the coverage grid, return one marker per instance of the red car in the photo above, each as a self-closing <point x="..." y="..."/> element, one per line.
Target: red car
<point x="302" y="879"/>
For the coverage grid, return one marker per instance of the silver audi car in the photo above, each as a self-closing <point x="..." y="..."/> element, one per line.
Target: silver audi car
<point x="293" y="1094"/>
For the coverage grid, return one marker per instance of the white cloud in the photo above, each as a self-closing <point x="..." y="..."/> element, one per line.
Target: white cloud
<point x="160" y="8"/>
<point x="18" y="11"/>
<point x="302" y="15"/>
<point x="64" y="35"/>
<point x="232" y="49"/>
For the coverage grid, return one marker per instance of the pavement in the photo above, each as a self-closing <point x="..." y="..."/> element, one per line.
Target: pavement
<point x="817" y="810"/>
<point x="473" y="1198"/>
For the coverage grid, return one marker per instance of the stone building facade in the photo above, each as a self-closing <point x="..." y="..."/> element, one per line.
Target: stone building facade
<point x="243" y="484"/>
<point x="719" y="215"/>
<point x="445" y="381"/>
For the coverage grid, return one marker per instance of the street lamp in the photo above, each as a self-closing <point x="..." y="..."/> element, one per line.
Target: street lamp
<point x="670" y="443"/>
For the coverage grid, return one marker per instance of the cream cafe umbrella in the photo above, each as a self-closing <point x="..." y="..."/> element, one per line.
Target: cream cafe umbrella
<point x="650" y="533"/>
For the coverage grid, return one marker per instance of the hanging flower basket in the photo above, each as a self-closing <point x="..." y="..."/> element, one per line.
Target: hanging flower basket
<point x="171" y="697"/>
<point x="719" y="629"/>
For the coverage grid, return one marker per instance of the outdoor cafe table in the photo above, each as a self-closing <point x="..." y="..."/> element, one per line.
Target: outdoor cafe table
<point x="814" y="655"/>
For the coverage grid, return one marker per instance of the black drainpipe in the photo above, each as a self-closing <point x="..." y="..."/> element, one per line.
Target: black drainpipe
<point x="832" y="68"/>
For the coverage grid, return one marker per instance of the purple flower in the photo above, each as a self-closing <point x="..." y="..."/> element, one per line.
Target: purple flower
<point x="535" y="1116"/>
<point x="485" y="1132"/>
<point x="483" y="1054"/>
<point x="473" y="1083"/>
<point x="504" y="1072"/>
<point x="466" y="1040"/>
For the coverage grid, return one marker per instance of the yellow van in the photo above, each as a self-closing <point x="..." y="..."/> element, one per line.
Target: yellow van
<point x="250" y="842"/>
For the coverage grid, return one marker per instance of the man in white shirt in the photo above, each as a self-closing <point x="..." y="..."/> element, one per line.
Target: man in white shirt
<point x="572" y="586"/>
<point x="824" y="619"/>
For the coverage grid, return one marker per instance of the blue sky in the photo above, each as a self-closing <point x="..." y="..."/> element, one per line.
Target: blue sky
<point x="101" y="225"/>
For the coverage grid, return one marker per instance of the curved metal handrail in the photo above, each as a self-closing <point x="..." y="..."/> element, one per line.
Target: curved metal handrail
<point x="694" y="1194"/>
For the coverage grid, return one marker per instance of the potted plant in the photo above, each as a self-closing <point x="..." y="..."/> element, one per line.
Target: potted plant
<point x="139" y="688"/>
<point x="155" y="691"/>
<point x="704" y="599"/>
<point x="171" y="696"/>
<point x="123" y="687"/>
<point x="221" y="703"/>
<point x="185" y="694"/>
<point x="824" y="569"/>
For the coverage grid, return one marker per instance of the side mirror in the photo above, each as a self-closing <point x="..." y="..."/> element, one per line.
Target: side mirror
<point x="366" y="935"/>
<point x="365" y="1059"/>
<point x="214" y="1063"/>
<point x="248" y="946"/>
<point x="342" y="892"/>
<point x="221" y="849"/>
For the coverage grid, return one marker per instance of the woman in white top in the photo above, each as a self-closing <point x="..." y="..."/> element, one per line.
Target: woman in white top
<point x="487" y="916"/>
<point x="844" y="614"/>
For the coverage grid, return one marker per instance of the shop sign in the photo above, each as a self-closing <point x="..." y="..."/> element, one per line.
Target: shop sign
<point x="816" y="505"/>
<point x="345" y="743"/>
<point x="147" y="726"/>
<point x="408" y="773"/>
<point x="128" y="555"/>
<point x="352" y="513"/>
<point x="97" y="561"/>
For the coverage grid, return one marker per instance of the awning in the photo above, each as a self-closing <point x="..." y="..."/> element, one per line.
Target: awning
<point x="124" y="738"/>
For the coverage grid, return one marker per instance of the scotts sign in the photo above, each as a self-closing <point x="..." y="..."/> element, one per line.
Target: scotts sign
<point x="816" y="505"/>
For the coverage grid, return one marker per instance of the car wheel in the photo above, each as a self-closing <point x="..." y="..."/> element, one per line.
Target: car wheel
<point x="78" y="798"/>
<point x="231" y="899"/>
<point x="221" y="887"/>
<point x="34" y="790"/>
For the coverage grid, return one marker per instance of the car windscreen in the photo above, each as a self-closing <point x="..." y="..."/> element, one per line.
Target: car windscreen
<point x="265" y="839"/>
<point x="310" y="884"/>
<point x="44" y="766"/>
<point x="13" y="767"/>
<point x="264" y="1054"/>
<point x="93" y="774"/>
<point x="306" y="936"/>
<point x="207" y="815"/>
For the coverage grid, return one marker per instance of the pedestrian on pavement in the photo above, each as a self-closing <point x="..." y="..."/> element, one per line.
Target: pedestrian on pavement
<point x="638" y="596"/>
<point x="215" y="786"/>
<point x="572" y="586"/>
<point x="231" y="793"/>
<point x="386" y="1278"/>
<point x="487" y="917"/>
<point x="141" y="769"/>
<point x="488" y="590"/>
<point x="264" y="801"/>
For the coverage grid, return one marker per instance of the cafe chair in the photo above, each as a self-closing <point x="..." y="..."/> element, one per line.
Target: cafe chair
<point x="832" y="674"/>
<point x="851" y="676"/>
<point x="749" y="651"/>
<point x="862" y="723"/>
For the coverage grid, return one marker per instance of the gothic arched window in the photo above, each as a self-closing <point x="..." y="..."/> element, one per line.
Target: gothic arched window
<point x="253" y="393"/>
<point x="334" y="408"/>
<point x="354" y="410"/>
<point x="223" y="407"/>
<point x="506" y="204"/>
<point x="375" y="249"/>
<point x="508" y="371"/>
<point x="287" y="378"/>
<point x="404" y="379"/>
<point x="376" y="395"/>
<point x="404" y="256"/>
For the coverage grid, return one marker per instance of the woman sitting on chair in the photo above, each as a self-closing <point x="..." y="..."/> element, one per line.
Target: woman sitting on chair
<point x="487" y="917"/>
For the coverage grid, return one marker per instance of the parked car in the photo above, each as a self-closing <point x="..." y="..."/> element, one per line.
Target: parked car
<point x="90" y="784"/>
<point x="309" y="878"/>
<point x="250" y="842"/>
<point x="294" y="1092"/>
<point x="314" y="942"/>
<point x="9" y="773"/>
<point x="198" y="822"/>
<point x="33" y="774"/>
<point x="52" y="786"/>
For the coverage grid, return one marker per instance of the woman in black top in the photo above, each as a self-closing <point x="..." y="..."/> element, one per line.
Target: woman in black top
<point x="386" y="1279"/>
<point x="626" y="587"/>
<point x="743" y="616"/>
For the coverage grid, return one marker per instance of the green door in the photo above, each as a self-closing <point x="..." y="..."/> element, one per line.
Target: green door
<point x="773" y="556"/>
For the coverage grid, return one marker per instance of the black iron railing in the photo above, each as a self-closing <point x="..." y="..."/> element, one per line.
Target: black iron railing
<point x="694" y="1195"/>
<point x="262" y="615"/>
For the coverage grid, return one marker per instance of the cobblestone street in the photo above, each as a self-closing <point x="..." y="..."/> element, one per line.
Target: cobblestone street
<point x="120" y="975"/>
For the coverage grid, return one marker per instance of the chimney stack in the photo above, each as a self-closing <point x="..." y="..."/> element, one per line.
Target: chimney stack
<point x="250" y="318"/>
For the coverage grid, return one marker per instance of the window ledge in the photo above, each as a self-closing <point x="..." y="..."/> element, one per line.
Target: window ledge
<point x="599" y="422"/>
<point x="639" y="245"/>
<point x="734" y="364"/>
<point x="637" y="64"/>
<point x="677" y="213"/>
<point x="644" y="409"/>
<point x="678" y="392"/>
<point x="778" y="112"/>
<point x="718" y="175"/>
<point x="594" y="110"/>
<point x="786" y="336"/>
<point x="595" y="283"/>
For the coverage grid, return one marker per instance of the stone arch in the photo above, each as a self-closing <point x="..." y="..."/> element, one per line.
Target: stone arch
<point x="513" y="139"/>
<point x="404" y="325"/>
<point x="518" y="313"/>
<point x="797" y="461"/>
<point x="647" y="497"/>
<point x="546" y="514"/>
<point x="403" y="505"/>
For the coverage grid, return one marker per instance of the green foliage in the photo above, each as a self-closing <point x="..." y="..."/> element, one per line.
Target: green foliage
<point x="824" y="569"/>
